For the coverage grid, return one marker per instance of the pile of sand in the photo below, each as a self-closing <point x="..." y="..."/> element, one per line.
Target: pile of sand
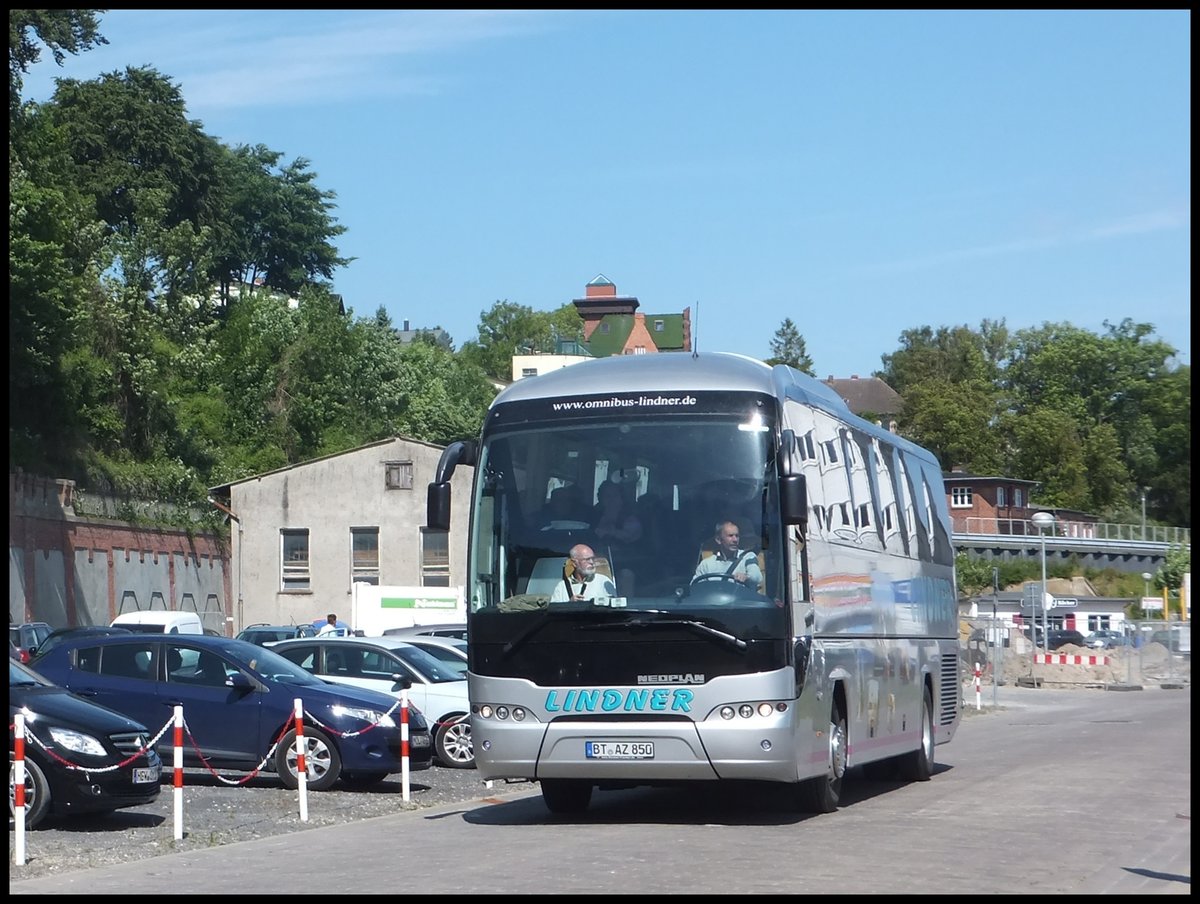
<point x="1150" y="664"/>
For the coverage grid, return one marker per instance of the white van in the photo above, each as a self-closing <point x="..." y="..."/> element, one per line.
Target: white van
<point x="160" y="621"/>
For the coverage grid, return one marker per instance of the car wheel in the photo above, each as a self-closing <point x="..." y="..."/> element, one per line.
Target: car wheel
<point x="322" y="762"/>
<point x="37" y="793"/>
<point x="453" y="744"/>
<point x="564" y="795"/>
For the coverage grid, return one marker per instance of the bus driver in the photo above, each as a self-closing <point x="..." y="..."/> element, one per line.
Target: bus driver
<point x="739" y="565"/>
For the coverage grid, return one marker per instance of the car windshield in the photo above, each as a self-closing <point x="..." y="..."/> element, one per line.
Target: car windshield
<point x="452" y="659"/>
<point x="268" y="663"/>
<point x="434" y="669"/>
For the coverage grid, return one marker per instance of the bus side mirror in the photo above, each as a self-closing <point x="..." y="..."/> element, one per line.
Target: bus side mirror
<point x="437" y="506"/>
<point x="793" y="499"/>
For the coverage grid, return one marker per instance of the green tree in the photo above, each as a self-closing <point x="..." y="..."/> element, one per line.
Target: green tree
<point x="955" y="421"/>
<point x="276" y="227"/>
<point x="951" y="354"/>
<point x="62" y="31"/>
<point x="1049" y="449"/>
<point x="505" y="330"/>
<point x="788" y="347"/>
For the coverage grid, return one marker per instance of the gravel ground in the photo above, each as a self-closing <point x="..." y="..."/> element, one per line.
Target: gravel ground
<point x="218" y="812"/>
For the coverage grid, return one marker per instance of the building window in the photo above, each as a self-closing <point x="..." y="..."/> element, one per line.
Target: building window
<point x="639" y="349"/>
<point x="1000" y="497"/>
<point x="1018" y="499"/>
<point x="294" y="573"/>
<point x="364" y="555"/>
<point x="399" y="475"/>
<point x="604" y="327"/>
<point x="435" y="558"/>
<point x="528" y="372"/>
<point x="960" y="497"/>
<point x="658" y="326"/>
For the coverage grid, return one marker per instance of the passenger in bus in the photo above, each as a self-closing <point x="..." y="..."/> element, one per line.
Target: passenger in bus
<point x="729" y="560"/>
<point x="616" y="526"/>
<point x="566" y="509"/>
<point x="584" y="584"/>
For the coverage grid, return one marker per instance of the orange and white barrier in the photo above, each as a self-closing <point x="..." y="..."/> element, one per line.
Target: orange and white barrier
<point x="1069" y="659"/>
<point x="978" y="700"/>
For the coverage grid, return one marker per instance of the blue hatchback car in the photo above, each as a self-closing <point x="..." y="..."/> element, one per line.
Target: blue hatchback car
<point x="238" y="701"/>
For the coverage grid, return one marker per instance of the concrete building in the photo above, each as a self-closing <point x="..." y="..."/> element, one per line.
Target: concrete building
<point x="302" y="535"/>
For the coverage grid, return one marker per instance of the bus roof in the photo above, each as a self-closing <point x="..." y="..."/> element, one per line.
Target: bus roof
<point x="692" y="372"/>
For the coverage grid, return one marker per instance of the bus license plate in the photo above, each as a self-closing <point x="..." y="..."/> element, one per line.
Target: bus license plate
<point x="619" y="750"/>
<point x="146" y="776"/>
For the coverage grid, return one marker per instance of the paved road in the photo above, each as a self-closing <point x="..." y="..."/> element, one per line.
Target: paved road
<point x="1048" y="792"/>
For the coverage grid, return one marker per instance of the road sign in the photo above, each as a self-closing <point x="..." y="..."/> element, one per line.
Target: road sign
<point x="1152" y="602"/>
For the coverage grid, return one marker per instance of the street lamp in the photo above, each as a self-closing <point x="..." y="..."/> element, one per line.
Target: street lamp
<point x="1042" y="520"/>
<point x="1146" y="576"/>
<point x="1144" y="514"/>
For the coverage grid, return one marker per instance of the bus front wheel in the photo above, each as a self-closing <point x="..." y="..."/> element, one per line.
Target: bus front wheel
<point x="823" y="793"/>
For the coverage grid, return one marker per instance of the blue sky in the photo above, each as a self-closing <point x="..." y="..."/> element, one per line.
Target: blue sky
<point x="862" y="173"/>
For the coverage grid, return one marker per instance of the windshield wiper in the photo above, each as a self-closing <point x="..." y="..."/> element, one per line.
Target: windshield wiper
<point x="636" y="621"/>
<point x="542" y="620"/>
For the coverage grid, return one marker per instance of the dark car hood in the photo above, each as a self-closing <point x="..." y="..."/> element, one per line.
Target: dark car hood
<point x="61" y="705"/>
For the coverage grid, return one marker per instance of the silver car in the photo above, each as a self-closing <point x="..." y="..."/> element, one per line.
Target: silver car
<point x="386" y="664"/>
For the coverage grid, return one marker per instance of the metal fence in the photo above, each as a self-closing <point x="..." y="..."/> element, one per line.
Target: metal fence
<point x="1078" y="530"/>
<point x="1149" y="652"/>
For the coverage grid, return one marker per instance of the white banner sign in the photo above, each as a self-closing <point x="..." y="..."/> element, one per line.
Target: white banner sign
<point x="1152" y="602"/>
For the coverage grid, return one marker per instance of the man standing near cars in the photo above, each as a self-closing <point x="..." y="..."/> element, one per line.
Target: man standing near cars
<point x="330" y="628"/>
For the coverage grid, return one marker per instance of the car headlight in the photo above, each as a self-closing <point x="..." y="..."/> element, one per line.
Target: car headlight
<point x="371" y="716"/>
<point x="77" y="742"/>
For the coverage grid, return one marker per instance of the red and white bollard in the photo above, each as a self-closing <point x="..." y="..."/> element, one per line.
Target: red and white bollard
<point x="18" y="768"/>
<point x="978" y="700"/>
<point x="178" y="776"/>
<point x="301" y="766"/>
<point x="404" y="789"/>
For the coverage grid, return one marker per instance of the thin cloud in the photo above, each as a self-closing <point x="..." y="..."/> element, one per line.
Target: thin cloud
<point x="297" y="58"/>
<point x="1139" y="224"/>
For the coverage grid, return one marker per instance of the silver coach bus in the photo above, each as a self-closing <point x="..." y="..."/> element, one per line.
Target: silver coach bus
<point x="846" y="652"/>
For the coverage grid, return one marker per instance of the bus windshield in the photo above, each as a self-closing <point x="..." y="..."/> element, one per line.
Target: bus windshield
<point x="645" y="496"/>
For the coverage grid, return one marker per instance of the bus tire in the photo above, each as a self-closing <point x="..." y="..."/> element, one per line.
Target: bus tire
<point x="824" y="793"/>
<point x="566" y="795"/>
<point x="917" y="766"/>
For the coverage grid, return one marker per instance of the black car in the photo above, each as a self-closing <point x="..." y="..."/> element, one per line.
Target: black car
<point x="58" y="635"/>
<point x="238" y="703"/>
<point x="1065" y="637"/>
<point x="80" y="757"/>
